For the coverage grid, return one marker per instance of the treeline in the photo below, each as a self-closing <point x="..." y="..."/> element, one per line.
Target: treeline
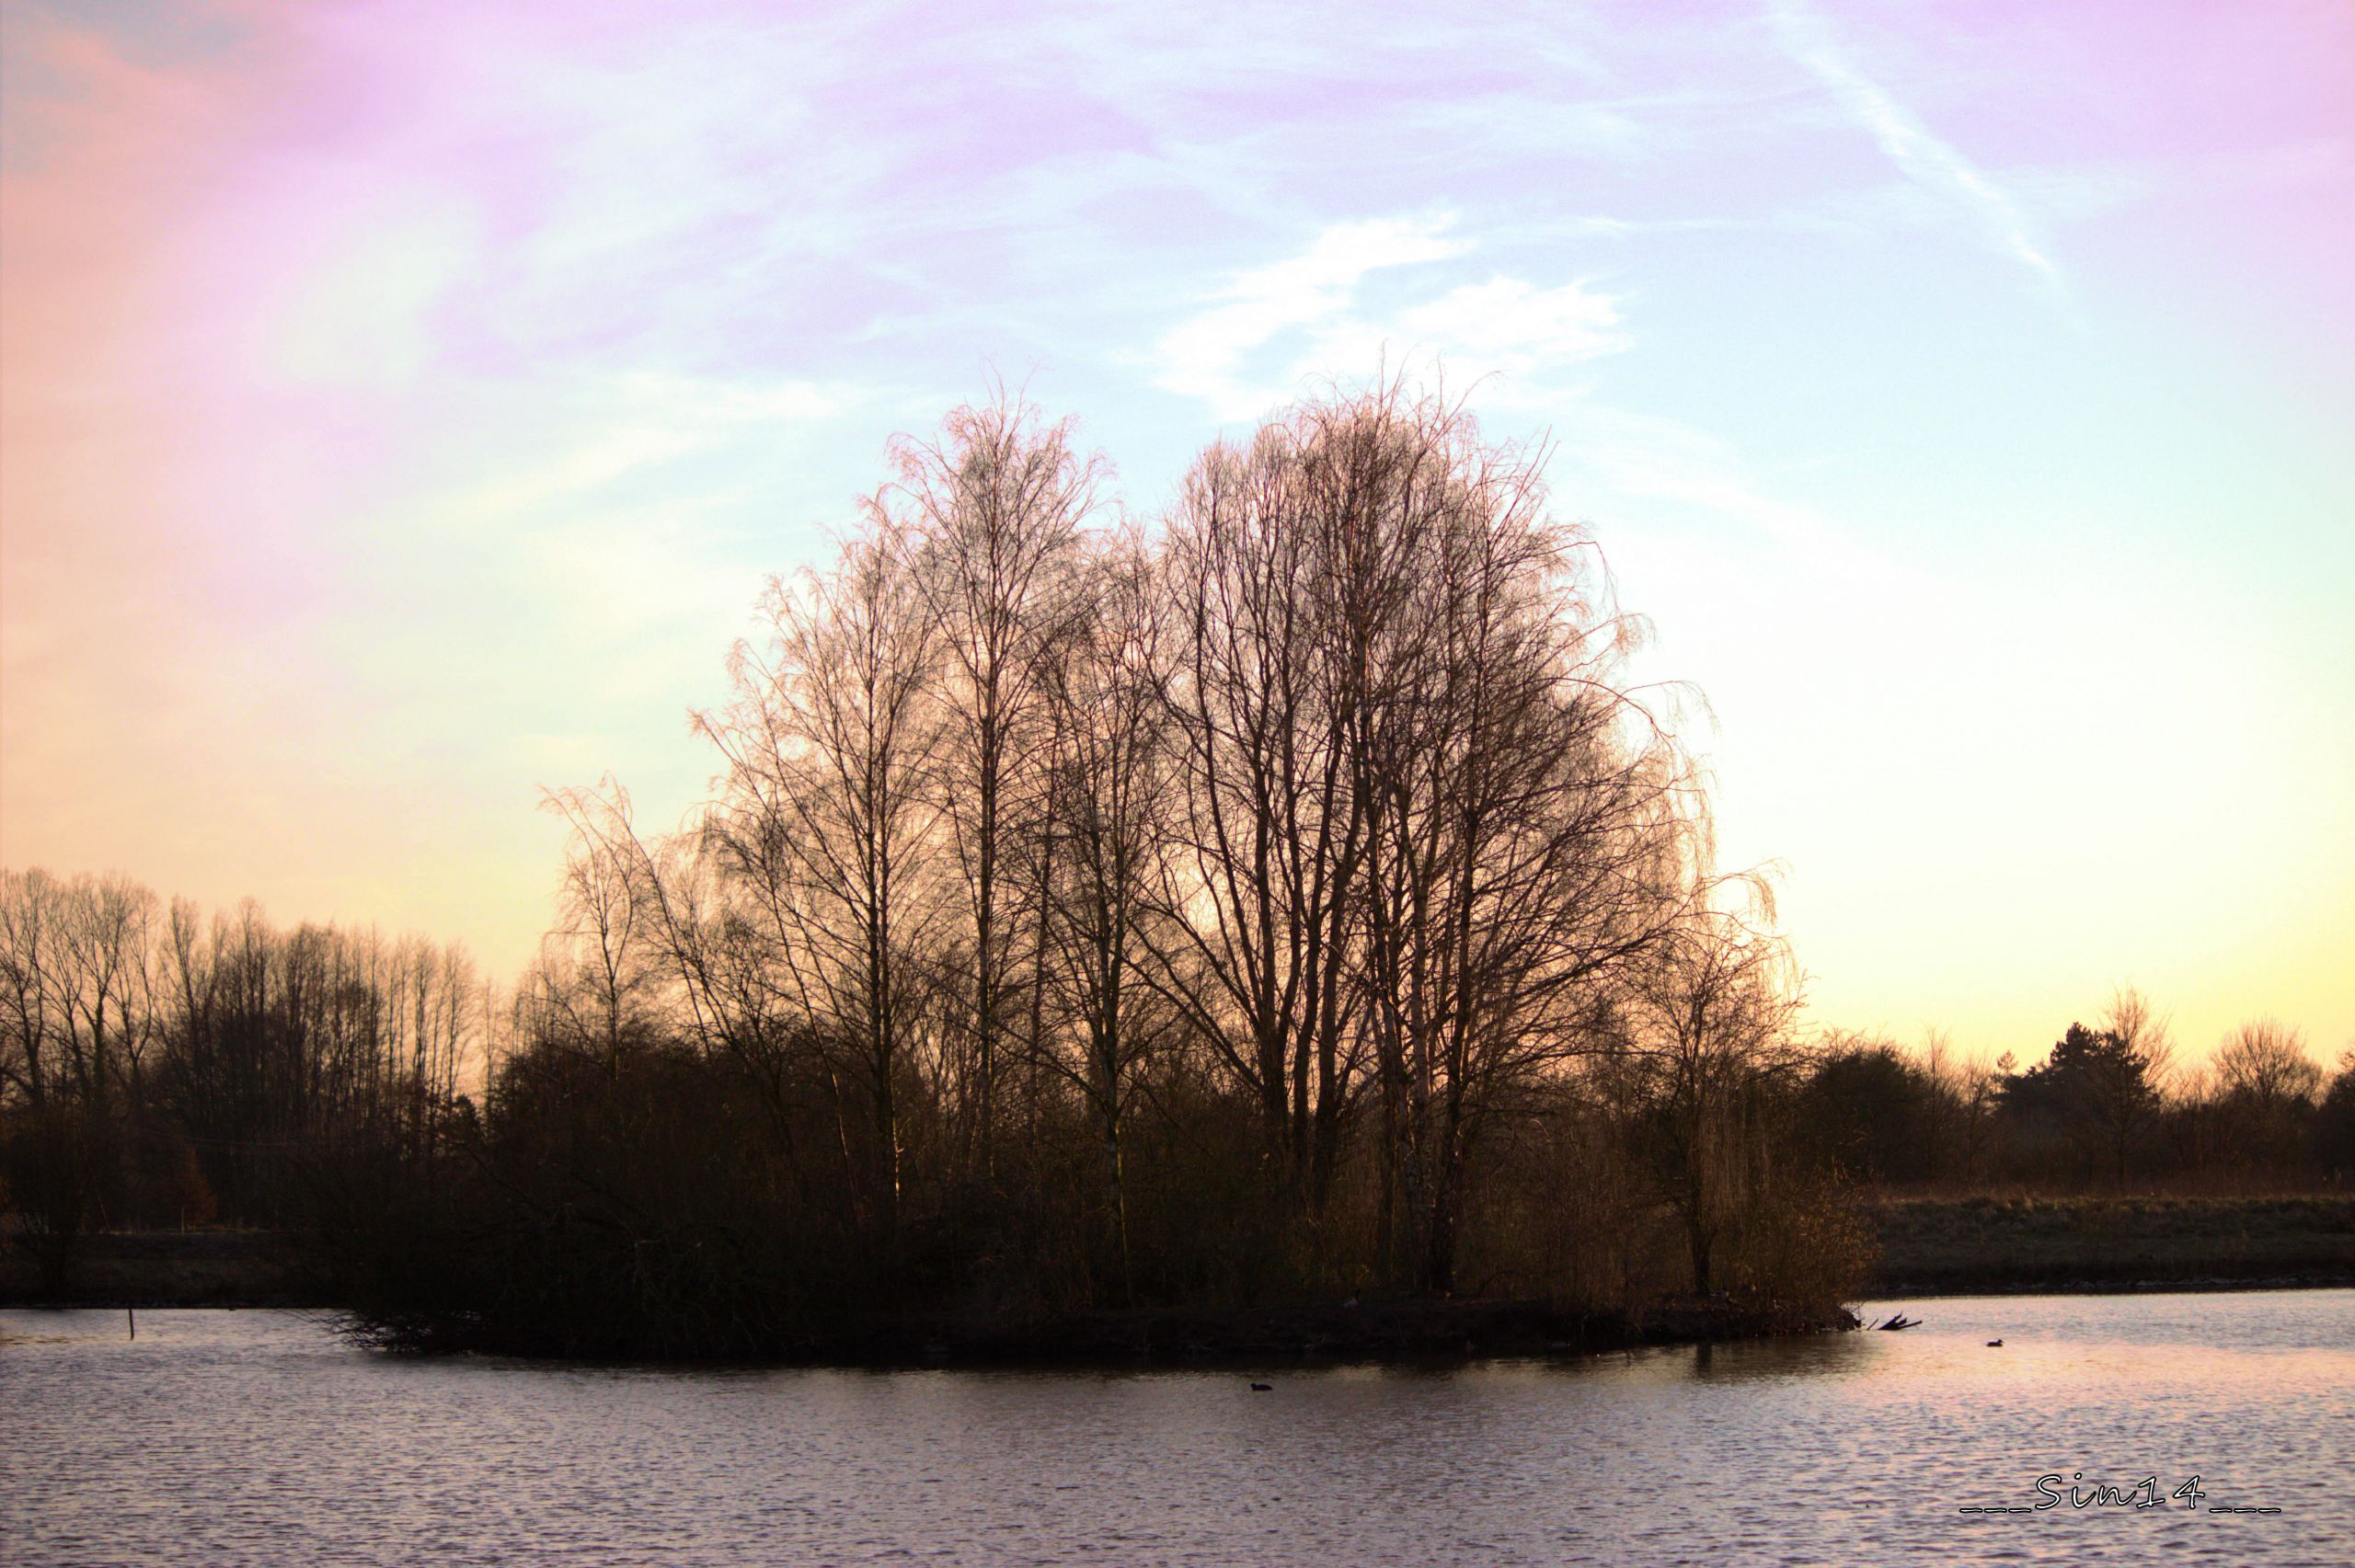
<point x="1293" y="899"/>
<point x="162" y="1067"/>
<point x="1289" y="899"/>
<point x="2108" y="1108"/>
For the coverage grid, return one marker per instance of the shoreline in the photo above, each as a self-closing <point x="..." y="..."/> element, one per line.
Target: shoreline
<point x="1878" y="1290"/>
<point x="1404" y="1334"/>
<point x="1392" y="1333"/>
<point x="1931" y="1248"/>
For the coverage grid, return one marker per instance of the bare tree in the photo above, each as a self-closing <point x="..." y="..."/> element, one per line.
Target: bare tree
<point x="33" y="1003"/>
<point x="2119" y="1096"/>
<point x="1257" y="892"/>
<point x="993" y="509"/>
<point x="827" y="816"/>
<point x="2130" y="1020"/>
<point x="1530" y="825"/>
<point x="1281" y="881"/>
<point x="1707" y="1021"/>
<point x="2267" y="1087"/>
<point x="1113" y="767"/>
<point x="609" y="937"/>
<point x="105" y="965"/>
<point x="2266" y="1062"/>
<point x="1424" y="814"/>
<point x="144" y="1061"/>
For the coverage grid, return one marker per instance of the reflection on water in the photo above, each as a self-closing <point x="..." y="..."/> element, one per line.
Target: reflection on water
<point x="258" y="1438"/>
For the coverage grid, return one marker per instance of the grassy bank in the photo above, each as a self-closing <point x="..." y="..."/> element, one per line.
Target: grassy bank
<point x="169" y="1268"/>
<point x="1996" y="1244"/>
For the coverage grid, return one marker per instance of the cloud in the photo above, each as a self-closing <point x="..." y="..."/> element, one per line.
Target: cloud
<point x="1507" y="332"/>
<point x="1694" y="490"/>
<point x="1504" y="327"/>
<point x="1203" y="355"/>
<point x="1921" y="156"/>
<point x="607" y="428"/>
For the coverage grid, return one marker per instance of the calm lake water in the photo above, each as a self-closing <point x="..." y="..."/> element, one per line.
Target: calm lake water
<point x="257" y="1438"/>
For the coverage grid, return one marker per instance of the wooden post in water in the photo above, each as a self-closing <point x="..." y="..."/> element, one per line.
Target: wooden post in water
<point x="133" y="1313"/>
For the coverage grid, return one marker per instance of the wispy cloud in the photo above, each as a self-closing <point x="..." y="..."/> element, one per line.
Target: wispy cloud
<point x="1919" y="153"/>
<point x="1204" y="356"/>
<point x="1506" y="333"/>
<point x="1666" y="470"/>
<point x="1274" y="326"/>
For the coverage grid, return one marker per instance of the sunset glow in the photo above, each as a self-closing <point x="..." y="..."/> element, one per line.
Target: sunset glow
<point x="404" y="405"/>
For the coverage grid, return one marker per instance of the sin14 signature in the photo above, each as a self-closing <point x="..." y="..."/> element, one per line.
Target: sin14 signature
<point x="2052" y="1492"/>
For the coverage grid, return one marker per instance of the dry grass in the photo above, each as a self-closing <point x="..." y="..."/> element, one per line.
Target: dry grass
<point x="167" y="1269"/>
<point x="2049" y="1243"/>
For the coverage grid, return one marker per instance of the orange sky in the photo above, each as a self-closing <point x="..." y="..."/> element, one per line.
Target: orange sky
<point x="401" y="407"/>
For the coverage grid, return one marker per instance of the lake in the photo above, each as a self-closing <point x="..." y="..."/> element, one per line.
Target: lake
<point x="259" y="1437"/>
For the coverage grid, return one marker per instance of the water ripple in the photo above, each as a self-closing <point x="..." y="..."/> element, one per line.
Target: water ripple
<point x="257" y="1438"/>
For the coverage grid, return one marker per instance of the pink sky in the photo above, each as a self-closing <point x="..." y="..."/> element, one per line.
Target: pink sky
<point x="401" y="405"/>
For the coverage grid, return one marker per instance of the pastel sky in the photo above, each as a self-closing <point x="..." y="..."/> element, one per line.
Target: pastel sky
<point x="401" y="404"/>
